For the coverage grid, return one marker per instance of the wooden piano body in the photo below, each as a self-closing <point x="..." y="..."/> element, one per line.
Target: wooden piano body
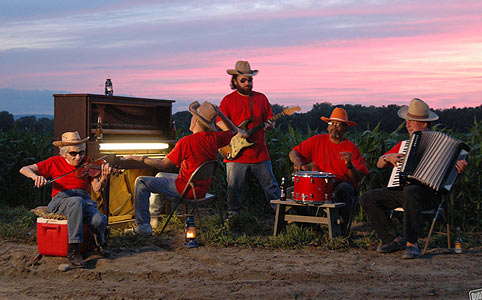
<point x="127" y="120"/>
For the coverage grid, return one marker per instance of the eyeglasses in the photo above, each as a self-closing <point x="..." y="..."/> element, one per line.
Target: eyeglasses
<point x="243" y="80"/>
<point x="74" y="153"/>
<point x="336" y="124"/>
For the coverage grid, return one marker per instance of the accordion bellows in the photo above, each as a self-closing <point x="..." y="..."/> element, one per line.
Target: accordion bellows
<point x="431" y="159"/>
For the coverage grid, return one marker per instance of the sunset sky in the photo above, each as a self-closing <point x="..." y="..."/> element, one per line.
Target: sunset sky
<point x="344" y="52"/>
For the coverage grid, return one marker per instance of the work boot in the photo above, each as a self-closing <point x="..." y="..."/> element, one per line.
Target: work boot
<point x="74" y="256"/>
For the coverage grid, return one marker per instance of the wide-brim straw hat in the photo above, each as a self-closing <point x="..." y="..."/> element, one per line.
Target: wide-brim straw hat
<point x="417" y="111"/>
<point x="205" y="113"/>
<point x="340" y="115"/>
<point x="70" y="138"/>
<point x="242" y="67"/>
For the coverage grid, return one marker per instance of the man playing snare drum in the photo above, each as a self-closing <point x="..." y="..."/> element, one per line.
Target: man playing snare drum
<point x="332" y="153"/>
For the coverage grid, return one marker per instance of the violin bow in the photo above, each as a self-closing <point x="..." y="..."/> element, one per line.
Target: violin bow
<point x="80" y="166"/>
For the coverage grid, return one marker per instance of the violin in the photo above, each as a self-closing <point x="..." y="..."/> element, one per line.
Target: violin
<point x="88" y="168"/>
<point x="93" y="169"/>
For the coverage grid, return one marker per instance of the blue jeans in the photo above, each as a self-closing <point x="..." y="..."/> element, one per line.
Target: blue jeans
<point x="157" y="201"/>
<point x="145" y="185"/>
<point x="79" y="208"/>
<point x="236" y="173"/>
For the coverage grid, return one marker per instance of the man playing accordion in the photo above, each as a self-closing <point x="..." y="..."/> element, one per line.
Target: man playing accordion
<point x="412" y="197"/>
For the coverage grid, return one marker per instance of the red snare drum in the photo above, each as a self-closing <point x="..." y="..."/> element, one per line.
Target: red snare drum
<point x="313" y="187"/>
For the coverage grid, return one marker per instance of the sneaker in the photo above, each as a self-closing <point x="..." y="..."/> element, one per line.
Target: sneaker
<point x="74" y="256"/>
<point x="411" y="252"/>
<point x="228" y="221"/>
<point x="232" y="214"/>
<point x="391" y="247"/>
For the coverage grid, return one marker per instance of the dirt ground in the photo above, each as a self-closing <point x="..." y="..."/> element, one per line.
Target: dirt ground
<point x="175" y="272"/>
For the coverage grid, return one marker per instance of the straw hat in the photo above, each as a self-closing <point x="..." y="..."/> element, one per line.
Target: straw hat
<point x="417" y="111"/>
<point x="242" y="68"/>
<point x="205" y="113"/>
<point x="340" y="115"/>
<point x="70" y="138"/>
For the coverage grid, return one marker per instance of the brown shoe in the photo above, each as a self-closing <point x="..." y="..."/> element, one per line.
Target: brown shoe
<point x="75" y="257"/>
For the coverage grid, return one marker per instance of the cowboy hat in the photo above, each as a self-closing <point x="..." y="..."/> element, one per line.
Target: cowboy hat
<point x="205" y="113"/>
<point x="417" y="111"/>
<point x="70" y="138"/>
<point x="242" y="68"/>
<point x="340" y="115"/>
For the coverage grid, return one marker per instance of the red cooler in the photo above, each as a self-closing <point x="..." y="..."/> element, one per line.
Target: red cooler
<point x="53" y="237"/>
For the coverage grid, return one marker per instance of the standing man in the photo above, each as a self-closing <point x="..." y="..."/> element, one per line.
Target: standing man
<point x="335" y="154"/>
<point x="189" y="153"/>
<point x="240" y="105"/>
<point x="412" y="197"/>
<point x="71" y="192"/>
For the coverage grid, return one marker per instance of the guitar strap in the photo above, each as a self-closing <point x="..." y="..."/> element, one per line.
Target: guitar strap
<point x="251" y="106"/>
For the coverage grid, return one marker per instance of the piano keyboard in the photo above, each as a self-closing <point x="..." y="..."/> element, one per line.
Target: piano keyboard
<point x="394" y="180"/>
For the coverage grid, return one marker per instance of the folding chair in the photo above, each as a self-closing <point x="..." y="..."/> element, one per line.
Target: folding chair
<point x="441" y="209"/>
<point x="203" y="172"/>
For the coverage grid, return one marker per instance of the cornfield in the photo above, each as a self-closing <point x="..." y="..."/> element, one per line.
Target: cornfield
<point x="19" y="148"/>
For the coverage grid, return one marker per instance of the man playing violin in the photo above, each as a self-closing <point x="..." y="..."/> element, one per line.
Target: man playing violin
<point x="70" y="192"/>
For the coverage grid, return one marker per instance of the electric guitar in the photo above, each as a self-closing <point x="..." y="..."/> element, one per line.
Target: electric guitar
<point x="238" y="144"/>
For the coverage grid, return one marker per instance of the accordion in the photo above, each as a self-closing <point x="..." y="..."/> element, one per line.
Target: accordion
<point x="431" y="158"/>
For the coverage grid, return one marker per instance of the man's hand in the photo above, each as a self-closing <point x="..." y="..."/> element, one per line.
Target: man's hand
<point x="106" y="170"/>
<point x="460" y="165"/>
<point x="394" y="158"/>
<point x="269" y="125"/>
<point x="346" y="156"/>
<point x="40" y="181"/>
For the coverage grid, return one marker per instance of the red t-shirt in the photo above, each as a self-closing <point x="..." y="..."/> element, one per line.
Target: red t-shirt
<point x="193" y="150"/>
<point x="236" y="107"/>
<point x="395" y="149"/>
<point x="56" y="166"/>
<point x="326" y="156"/>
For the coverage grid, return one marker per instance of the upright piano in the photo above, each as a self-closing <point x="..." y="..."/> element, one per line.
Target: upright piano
<point x="117" y="126"/>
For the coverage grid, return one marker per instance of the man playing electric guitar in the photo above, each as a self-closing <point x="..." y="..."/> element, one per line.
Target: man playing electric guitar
<point x="238" y="106"/>
<point x="239" y="143"/>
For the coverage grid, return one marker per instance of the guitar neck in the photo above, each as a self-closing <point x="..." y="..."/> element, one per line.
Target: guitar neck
<point x="261" y="125"/>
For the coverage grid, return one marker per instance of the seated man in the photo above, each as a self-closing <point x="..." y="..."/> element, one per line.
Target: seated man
<point x="333" y="153"/>
<point x="189" y="153"/>
<point x="412" y="197"/>
<point x="70" y="194"/>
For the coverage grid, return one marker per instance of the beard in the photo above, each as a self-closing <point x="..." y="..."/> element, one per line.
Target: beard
<point x="335" y="134"/>
<point x="244" y="91"/>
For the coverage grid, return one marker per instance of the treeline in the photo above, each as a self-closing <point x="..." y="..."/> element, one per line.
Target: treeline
<point x="28" y="123"/>
<point x="367" y="117"/>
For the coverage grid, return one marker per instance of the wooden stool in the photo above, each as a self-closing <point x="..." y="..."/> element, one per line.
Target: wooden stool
<point x="332" y="218"/>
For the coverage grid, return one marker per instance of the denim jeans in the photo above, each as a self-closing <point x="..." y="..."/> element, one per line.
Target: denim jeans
<point x="145" y="185"/>
<point x="236" y="173"/>
<point x="156" y="200"/>
<point x="79" y="208"/>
